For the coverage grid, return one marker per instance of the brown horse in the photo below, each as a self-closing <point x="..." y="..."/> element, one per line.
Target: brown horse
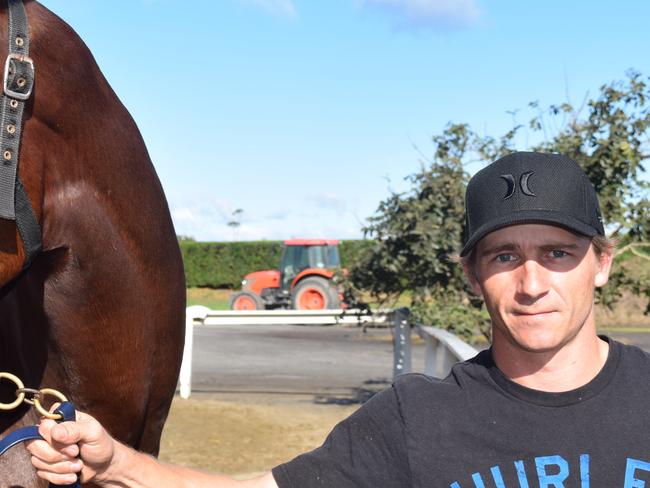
<point x="99" y="313"/>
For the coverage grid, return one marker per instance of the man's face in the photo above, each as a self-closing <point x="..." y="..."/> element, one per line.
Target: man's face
<point x="538" y="284"/>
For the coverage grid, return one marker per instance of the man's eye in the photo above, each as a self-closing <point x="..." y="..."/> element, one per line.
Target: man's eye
<point x="505" y="258"/>
<point x="556" y="253"/>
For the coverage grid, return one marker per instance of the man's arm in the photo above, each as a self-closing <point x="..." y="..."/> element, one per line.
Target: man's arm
<point x="106" y="462"/>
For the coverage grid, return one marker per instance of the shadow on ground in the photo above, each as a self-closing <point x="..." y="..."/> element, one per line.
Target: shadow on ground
<point x="357" y="396"/>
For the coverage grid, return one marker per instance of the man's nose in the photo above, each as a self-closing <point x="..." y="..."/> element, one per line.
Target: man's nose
<point x="533" y="279"/>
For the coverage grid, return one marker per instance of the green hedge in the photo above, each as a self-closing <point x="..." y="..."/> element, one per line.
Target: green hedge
<point x="351" y="251"/>
<point x="224" y="264"/>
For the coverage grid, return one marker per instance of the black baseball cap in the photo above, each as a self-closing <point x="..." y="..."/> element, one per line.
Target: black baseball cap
<point x="530" y="188"/>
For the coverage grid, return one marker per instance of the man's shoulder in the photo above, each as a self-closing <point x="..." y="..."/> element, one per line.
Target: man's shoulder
<point x="631" y="356"/>
<point x="407" y="384"/>
<point x="462" y="378"/>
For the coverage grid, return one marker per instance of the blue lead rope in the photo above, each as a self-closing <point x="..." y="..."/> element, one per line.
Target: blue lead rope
<point x="66" y="409"/>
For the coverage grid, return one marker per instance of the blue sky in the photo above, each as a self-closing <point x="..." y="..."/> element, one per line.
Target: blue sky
<point x="305" y="114"/>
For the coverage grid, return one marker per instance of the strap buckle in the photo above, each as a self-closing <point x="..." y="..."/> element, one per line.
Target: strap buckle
<point x="18" y="76"/>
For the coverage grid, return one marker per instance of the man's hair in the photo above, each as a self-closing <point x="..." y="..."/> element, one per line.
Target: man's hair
<point x="602" y="244"/>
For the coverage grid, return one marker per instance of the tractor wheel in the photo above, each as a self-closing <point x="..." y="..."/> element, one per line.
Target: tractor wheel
<point x="245" y="300"/>
<point x="314" y="294"/>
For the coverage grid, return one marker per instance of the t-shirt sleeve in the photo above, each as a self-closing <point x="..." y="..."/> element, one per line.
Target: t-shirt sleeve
<point x="368" y="449"/>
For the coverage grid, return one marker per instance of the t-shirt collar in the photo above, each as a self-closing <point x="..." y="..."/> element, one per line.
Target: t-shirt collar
<point x="553" y="399"/>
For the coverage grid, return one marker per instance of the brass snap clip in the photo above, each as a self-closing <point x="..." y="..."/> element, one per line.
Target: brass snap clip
<point x="51" y="392"/>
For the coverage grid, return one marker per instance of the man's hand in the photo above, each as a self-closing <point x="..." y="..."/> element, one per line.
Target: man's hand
<point x="56" y="459"/>
<point x="106" y="462"/>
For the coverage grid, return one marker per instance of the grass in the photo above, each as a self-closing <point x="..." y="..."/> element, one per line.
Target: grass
<point x="218" y="299"/>
<point x="208" y="297"/>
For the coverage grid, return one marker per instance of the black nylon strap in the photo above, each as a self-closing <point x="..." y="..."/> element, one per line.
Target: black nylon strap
<point x="18" y="84"/>
<point x="30" y="230"/>
<point x="17" y="88"/>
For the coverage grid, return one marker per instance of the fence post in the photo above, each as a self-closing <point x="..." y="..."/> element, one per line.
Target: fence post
<point x="401" y="342"/>
<point x="430" y="355"/>
<point x="185" y="377"/>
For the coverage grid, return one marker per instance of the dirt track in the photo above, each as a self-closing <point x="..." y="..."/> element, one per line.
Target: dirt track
<point x="246" y="434"/>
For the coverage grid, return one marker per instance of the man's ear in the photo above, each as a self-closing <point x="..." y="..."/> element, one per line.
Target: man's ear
<point x="605" y="260"/>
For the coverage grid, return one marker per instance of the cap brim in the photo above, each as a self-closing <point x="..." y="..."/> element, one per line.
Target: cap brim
<point x="529" y="217"/>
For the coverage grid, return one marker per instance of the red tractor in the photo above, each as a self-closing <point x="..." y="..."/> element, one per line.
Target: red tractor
<point x="305" y="280"/>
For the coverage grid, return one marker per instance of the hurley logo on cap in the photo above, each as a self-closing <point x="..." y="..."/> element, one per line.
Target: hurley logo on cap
<point x="523" y="183"/>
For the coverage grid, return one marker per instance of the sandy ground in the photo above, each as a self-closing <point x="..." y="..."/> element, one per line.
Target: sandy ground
<point x="246" y="434"/>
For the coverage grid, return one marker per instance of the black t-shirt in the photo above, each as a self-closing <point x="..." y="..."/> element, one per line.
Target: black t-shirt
<point x="478" y="429"/>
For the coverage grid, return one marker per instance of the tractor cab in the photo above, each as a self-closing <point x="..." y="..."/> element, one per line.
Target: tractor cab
<point x="299" y="255"/>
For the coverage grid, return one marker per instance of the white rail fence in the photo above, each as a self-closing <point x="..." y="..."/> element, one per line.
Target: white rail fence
<point x="197" y="315"/>
<point x="442" y="349"/>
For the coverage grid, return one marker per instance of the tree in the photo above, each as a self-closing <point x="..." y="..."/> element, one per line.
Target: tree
<point x="417" y="232"/>
<point x="235" y="221"/>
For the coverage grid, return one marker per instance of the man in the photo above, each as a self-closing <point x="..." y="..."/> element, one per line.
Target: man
<point x="550" y="405"/>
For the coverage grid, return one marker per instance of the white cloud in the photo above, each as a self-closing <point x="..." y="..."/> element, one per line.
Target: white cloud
<point x="205" y="218"/>
<point x="435" y="14"/>
<point x="328" y="201"/>
<point x="199" y="217"/>
<point x="278" y="7"/>
<point x="183" y="215"/>
<point x="276" y="215"/>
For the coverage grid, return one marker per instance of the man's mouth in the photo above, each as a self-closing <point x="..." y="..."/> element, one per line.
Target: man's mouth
<point x="532" y="313"/>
